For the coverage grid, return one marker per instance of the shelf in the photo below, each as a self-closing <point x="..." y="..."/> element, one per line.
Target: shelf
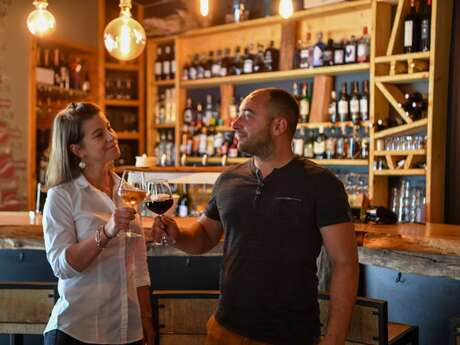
<point x="169" y="82"/>
<point x="55" y="90"/>
<point x="120" y="168"/>
<point x="401" y="153"/>
<point x="312" y="125"/>
<point x="342" y="162"/>
<point x="403" y="78"/>
<point x="121" y="67"/>
<point x="298" y="15"/>
<point x="164" y="126"/>
<point x="224" y="129"/>
<point x="122" y="102"/>
<point x="404" y="129"/>
<point x="403" y="57"/>
<point x="401" y="172"/>
<point x="216" y="160"/>
<point x="128" y="135"/>
<point x="278" y="75"/>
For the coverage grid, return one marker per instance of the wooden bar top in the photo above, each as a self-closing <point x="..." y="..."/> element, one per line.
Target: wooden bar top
<point x="420" y="238"/>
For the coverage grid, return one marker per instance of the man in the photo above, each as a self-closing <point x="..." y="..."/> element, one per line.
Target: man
<point x="276" y="211"/>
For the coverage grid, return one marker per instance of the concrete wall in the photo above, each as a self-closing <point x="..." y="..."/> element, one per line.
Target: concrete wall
<point x="76" y="21"/>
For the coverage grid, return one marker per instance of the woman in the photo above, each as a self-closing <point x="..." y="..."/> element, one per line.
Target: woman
<point x="104" y="282"/>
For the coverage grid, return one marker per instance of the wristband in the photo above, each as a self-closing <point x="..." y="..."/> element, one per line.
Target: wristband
<point x="100" y="228"/>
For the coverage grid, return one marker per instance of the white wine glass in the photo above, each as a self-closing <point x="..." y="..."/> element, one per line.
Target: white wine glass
<point x="159" y="200"/>
<point x="132" y="192"/>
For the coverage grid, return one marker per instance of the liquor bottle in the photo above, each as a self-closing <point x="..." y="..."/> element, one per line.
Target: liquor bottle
<point x="308" y="150"/>
<point x="170" y="148"/>
<point x="166" y="71"/>
<point x="183" y="208"/>
<point x="425" y="27"/>
<point x="248" y="61"/>
<point x="201" y="66"/>
<point x="193" y="69"/>
<point x="333" y="107"/>
<point x="298" y="142"/>
<point x="411" y="30"/>
<point x="232" y="112"/>
<point x="342" y="104"/>
<point x="318" y="51"/>
<point x="210" y="148"/>
<point x="305" y="58"/>
<point x="364" y="101"/>
<point x="297" y="54"/>
<point x="56" y="68"/>
<point x="159" y="64"/>
<point x="217" y="65"/>
<point x="199" y="116"/>
<point x="259" y="65"/>
<point x="363" y="47"/>
<point x="233" y="148"/>
<point x="339" y="53"/>
<point x="330" y="144"/>
<point x="208" y="111"/>
<point x="225" y="66"/>
<point x="354" y="140"/>
<point x="185" y="69"/>
<point x="188" y="113"/>
<point x="208" y="65"/>
<point x="86" y="86"/>
<point x="173" y="63"/>
<point x="272" y="58"/>
<point x="350" y="50"/>
<point x="328" y="55"/>
<point x="340" y="144"/>
<point x="295" y="91"/>
<point x="76" y="80"/>
<point x="319" y="146"/>
<point x="365" y="145"/>
<point x="305" y="104"/>
<point x="237" y="67"/>
<point x="354" y="104"/>
<point x="203" y="143"/>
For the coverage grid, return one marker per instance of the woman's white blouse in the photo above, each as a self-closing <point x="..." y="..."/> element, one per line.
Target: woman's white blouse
<point x="100" y="304"/>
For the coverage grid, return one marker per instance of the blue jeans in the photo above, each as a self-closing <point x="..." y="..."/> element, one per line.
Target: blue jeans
<point x="57" y="337"/>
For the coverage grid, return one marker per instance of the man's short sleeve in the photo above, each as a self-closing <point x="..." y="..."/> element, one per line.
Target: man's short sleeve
<point x="331" y="201"/>
<point x="211" y="210"/>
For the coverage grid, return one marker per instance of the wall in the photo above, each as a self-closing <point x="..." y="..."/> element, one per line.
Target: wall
<point x="76" y="21"/>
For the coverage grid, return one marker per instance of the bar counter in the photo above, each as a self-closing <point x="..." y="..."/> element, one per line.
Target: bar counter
<point x="427" y="249"/>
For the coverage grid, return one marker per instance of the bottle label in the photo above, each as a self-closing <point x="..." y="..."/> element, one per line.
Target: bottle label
<point x="308" y="150"/>
<point x="330" y="146"/>
<point x="338" y="56"/>
<point x="183" y="211"/>
<point x="363" y="107"/>
<point x="223" y="71"/>
<point x="192" y="72"/>
<point x="319" y="147"/>
<point x="317" y="57"/>
<point x="350" y="53"/>
<point x="333" y="112"/>
<point x="425" y="29"/>
<point x="408" y="27"/>
<point x="304" y="108"/>
<point x="215" y="69"/>
<point x="298" y="147"/>
<point x="343" y="108"/>
<point x="354" y="106"/>
<point x="247" y="68"/>
<point x="173" y="66"/>
<point x="166" y="67"/>
<point x="363" y="52"/>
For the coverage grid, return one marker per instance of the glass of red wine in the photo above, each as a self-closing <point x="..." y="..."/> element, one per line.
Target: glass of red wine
<point x="159" y="200"/>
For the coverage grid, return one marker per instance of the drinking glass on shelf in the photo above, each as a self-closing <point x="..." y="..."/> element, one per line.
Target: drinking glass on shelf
<point x="132" y="191"/>
<point x="159" y="200"/>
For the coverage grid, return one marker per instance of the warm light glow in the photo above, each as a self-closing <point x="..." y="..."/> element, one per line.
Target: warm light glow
<point x="124" y="37"/>
<point x="41" y="22"/>
<point x="204" y="7"/>
<point x="286" y="8"/>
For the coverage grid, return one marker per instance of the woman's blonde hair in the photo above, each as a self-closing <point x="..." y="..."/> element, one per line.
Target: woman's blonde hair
<point x="67" y="130"/>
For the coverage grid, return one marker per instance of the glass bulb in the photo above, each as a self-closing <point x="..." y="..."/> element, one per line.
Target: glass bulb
<point x="41" y="22"/>
<point x="204" y="7"/>
<point x="124" y="37"/>
<point x="286" y="8"/>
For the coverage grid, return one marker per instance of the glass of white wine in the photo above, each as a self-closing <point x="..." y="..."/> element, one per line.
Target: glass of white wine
<point x="132" y="191"/>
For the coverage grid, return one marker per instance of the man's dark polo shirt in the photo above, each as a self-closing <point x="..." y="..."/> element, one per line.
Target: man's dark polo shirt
<point x="272" y="239"/>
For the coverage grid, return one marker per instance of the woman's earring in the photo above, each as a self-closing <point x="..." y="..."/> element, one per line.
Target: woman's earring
<point x="82" y="165"/>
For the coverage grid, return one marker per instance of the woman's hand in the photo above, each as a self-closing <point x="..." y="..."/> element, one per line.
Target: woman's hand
<point x="119" y="221"/>
<point x="149" y="331"/>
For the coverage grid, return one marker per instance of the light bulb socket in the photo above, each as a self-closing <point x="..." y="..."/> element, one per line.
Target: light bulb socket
<point x="40" y="4"/>
<point x="125" y="4"/>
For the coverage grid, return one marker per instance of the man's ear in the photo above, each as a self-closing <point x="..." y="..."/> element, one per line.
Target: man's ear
<point x="280" y="126"/>
<point x="76" y="150"/>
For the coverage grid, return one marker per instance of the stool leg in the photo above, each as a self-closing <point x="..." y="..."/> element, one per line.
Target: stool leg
<point x="16" y="339"/>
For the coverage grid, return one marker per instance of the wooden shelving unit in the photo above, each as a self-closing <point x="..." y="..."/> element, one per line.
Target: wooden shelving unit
<point x="390" y="71"/>
<point x="132" y="142"/>
<point x="425" y="68"/>
<point x="326" y="162"/>
<point x="53" y="99"/>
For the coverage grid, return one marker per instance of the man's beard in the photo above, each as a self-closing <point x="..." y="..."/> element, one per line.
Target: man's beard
<point x="260" y="145"/>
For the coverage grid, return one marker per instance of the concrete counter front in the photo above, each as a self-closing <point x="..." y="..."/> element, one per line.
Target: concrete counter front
<point x="431" y="249"/>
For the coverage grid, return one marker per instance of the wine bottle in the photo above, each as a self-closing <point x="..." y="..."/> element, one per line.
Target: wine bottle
<point x="425" y="27"/>
<point x="411" y="29"/>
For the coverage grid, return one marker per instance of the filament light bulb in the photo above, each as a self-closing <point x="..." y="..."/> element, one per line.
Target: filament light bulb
<point x="41" y="22"/>
<point x="286" y="8"/>
<point x="124" y="37"/>
<point x="204" y="7"/>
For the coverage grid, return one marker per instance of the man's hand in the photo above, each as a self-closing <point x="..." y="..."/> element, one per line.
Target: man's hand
<point x="149" y="331"/>
<point x="163" y="225"/>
